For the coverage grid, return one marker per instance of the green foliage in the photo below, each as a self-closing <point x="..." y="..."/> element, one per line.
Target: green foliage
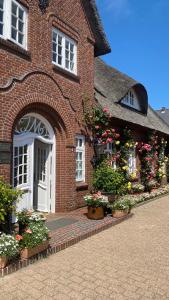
<point x="23" y="216"/>
<point x="123" y="204"/>
<point x="8" y="245"/>
<point x="106" y="179"/>
<point x="8" y="199"/>
<point x="34" y="235"/>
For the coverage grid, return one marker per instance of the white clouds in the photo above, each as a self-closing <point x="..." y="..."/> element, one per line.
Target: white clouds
<point x="117" y="8"/>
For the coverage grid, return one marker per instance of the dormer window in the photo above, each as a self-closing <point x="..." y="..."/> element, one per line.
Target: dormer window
<point x="131" y="100"/>
<point x="13" y="22"/>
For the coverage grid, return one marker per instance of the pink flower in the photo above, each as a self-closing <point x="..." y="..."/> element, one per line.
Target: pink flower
<point x="19" y="237"/>
<point x="109" y="140"/>
<point x="104" y="134"/>
<point x="28" y="230"/>
<point x="105" y="109"/>
<point x="97" y="127"/>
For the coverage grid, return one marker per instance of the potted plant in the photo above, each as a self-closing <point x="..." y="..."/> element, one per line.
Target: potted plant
<point x="25" y="217"/>
<point x="23" y="220"/>
<point x="35" y="239"/>
<point x="110" y="182"/>
<point x="121" y="208"/>
<point x="9" y="248"/>
<point x="96" y="203"/>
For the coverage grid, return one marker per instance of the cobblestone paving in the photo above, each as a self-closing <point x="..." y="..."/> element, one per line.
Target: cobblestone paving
<point x="127" y="261"/>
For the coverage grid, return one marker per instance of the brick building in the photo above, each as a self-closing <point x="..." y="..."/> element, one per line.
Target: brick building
<point x="47" y="70"/>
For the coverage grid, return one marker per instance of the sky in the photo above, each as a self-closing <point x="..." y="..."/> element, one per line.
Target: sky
<point x="138" y="33"/>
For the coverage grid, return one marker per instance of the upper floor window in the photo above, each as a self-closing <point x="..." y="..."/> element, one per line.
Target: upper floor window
<point x="64" y="51"/>
<point x="131" y="100"/>
<point x="13" y="22"/>
<point x="80" y="158"/>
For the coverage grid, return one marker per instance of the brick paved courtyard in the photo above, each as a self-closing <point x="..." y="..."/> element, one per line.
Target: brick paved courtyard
<point x="127" y="261"/>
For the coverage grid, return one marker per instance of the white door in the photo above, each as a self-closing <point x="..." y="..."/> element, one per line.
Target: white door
<point x="22" y="170"/>
<point x="42" y="197"/>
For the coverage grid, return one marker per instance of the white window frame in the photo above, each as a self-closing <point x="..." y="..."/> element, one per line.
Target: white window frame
<point x="81" y="150"/>
<point x="132" y="161"/>
<point x="64" y="39"/>
<point x="108" y="151"/>
<point x="131" y="100"/>
<point x="7" y="21"/>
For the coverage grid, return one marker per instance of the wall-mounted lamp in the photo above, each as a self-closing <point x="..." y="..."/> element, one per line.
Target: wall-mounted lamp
<point x="43" y="4"/>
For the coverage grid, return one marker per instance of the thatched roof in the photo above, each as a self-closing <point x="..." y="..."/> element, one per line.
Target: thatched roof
<point x="111" y="86"/>
<point x="102" y="45"/>
<point x="164" y="114"/>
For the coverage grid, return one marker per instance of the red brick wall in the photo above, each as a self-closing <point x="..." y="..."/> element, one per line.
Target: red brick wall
<point x="29" y="83"/>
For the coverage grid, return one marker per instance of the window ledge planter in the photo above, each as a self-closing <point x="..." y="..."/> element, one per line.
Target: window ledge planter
<point x="29" y="252"/>
<point x="3" y="261"/>
<point x="95" y="213"/>
<point x="120" y="213"/>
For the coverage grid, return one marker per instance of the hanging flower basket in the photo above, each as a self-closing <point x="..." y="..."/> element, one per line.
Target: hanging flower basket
<point x="29" y="252"/>
<point x="3" y="261"/>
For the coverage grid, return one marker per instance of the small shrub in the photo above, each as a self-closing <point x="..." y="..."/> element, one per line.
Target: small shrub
<point x="106" y="179"/>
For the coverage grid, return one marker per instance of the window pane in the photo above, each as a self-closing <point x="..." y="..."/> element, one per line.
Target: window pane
<point x="20" y="179"/>
<point x="20" y="38"/>
<point x="14" y="21"/>
<point x="71" y="47"/>
<point x="71" y="56"/>
<point x="59" y="60"/>
<point x="67" y="64"/>
<point x="67" y="45"/>
<point x="20" y="26"/>
<point x="21" y="14"/>
<point x="71" y="66"/>
<point x="54" y="57"/>
<point x="1" y="16"/>
<point x="14" y="8"/>
<point x="25" y="178"/>
<point x="1" y="29"/>
<point x="67" y="54"/>
<point x="54" y="37"/>
<point x="59" y="50"/>
<point x="20" y="150"/>
<point x="16" y="151"/>
<point x="54" y="47"/>
<point x="1" y="4"/>
<point x="20" y="160"/>
<point x="14" y="33"/>
<point x="59" y="40"/>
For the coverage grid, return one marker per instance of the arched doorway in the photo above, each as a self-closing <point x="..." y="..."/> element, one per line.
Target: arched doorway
<point x="34" y="163"/>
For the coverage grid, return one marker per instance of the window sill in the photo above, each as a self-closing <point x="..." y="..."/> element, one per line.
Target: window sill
<point x="80" y="186"/>
<point x="14" y="48"/>
<point x="66" y="73"/>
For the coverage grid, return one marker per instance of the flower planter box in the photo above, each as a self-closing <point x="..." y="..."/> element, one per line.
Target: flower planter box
<point x="95" y="213"/>
<point x="3" y="261"/>
<point x="119" y="213"/>
<point x="29" y="252"/>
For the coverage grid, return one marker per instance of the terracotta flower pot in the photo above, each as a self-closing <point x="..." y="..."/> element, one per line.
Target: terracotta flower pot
<point x="95" y="213"/>
<point x="28" y="252"/>
<point x="3" y="261"/>
<point x="119" y="213"/>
